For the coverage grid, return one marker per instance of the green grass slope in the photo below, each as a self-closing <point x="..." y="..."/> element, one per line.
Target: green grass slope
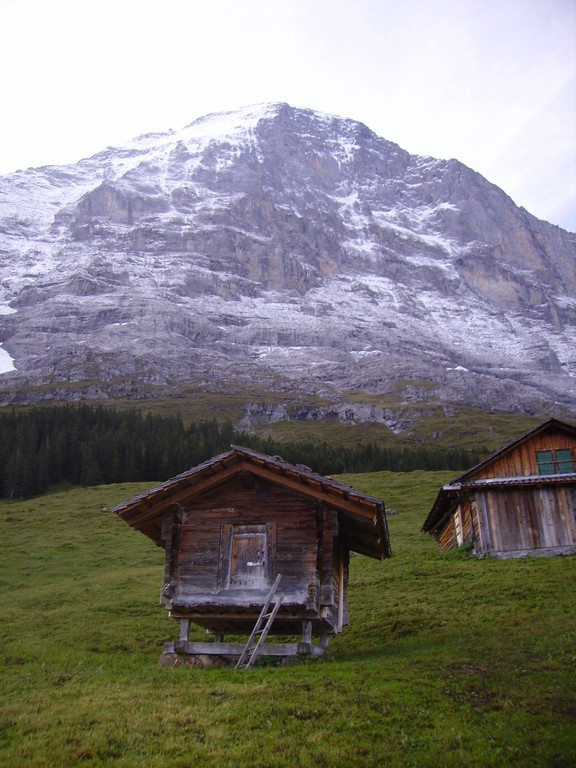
<point x="448" y="660"/>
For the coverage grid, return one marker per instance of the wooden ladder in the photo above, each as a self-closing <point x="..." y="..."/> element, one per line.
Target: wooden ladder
<point x="262" y="627"/>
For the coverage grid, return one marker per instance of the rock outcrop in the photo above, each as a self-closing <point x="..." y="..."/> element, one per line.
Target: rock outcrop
<point x="285" y="249"/>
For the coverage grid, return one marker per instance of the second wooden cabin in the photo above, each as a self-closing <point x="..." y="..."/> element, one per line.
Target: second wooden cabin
<point x="232" y="524"/>
<point x="520" y="501"/>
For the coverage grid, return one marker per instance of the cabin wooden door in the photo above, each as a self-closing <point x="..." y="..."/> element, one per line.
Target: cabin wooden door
<point x="249" y="557"/>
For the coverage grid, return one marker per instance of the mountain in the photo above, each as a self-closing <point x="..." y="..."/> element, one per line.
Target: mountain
<point x="275" y="249"/>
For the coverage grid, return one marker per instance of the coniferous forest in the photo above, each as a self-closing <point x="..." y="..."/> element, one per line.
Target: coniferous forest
<point x="93" y="445"/>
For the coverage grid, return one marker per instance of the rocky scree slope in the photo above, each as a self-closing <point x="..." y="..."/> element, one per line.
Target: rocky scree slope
<point x="287" y="248"/>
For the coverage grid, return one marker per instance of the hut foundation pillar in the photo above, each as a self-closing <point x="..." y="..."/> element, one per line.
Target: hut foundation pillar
<point x="184" y="630"/>
<point x="305" y="646"/>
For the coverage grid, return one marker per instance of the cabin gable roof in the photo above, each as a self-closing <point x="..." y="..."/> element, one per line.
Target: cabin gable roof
<point x="548" y="426"/>
<point x="362" y="517"/>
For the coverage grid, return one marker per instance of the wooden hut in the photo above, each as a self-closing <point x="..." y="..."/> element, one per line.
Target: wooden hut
<point x="520" y="501"/>
<point x="234" y="524"/>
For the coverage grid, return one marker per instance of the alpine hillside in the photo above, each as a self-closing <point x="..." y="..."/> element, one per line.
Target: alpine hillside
<point x="276" y="249"/>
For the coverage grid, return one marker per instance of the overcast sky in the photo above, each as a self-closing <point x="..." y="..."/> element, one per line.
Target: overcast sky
<point x="489" y="82"/>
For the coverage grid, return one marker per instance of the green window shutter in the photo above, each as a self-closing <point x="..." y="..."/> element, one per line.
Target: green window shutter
<point x="545" y="461"/>
<point x="564" y="462"/>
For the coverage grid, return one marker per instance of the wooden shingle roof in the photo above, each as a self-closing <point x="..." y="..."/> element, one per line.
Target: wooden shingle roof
<point x="362" y="518"/>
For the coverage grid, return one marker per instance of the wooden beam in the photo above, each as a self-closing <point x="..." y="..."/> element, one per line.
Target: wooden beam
<point x="235" y="649"/>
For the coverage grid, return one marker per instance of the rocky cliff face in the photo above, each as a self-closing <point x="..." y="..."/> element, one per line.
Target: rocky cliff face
<point x="286" y="249"/>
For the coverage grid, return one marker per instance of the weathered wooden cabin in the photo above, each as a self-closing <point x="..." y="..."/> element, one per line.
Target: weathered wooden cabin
<point x="233" y="524"/>
<point x="520" y="501"/>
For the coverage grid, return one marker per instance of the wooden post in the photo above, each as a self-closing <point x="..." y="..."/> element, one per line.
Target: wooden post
<point x="305" y="647"/>
<point x="184" y="630"/>
<point x="340" y="590"/>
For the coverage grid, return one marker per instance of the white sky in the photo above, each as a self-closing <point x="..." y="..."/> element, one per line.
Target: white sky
<point x="489" y="82"/>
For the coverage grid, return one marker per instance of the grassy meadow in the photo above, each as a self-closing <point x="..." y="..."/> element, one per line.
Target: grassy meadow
<point x="448" y="660"/>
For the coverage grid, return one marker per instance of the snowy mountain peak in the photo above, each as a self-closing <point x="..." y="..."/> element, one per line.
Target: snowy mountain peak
<point x="288" y="246"/>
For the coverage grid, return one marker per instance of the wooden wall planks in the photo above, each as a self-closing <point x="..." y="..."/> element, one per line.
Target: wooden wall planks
<point x="301" y="533"/>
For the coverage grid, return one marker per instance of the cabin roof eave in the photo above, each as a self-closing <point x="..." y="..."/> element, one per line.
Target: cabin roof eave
<point x="354" y="507"/>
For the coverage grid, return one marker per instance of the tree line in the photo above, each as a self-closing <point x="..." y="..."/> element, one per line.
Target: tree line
<point x="92" y="445"/>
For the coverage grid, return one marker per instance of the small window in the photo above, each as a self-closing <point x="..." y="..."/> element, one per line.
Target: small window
<point x="558" y="462"/>
<point x="564" y="461"/>
<point x="545" y="461"/>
